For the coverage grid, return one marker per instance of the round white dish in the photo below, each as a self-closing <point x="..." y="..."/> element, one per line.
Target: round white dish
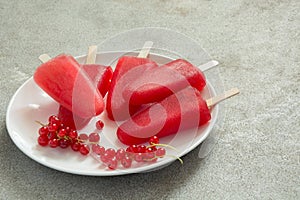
<point x="30" y="103"/>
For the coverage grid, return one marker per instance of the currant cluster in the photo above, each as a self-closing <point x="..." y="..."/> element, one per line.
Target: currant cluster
<point x="138" y="153"/>
<point x="56" y="134"/>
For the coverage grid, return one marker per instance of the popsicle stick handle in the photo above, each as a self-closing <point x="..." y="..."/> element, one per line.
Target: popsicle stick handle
<point x="217" y="99"/>
<point x="145" y="50"/>
<point x="208" y="65"/>
<point x="92" y="53"/>
<point x="44" y="58"/>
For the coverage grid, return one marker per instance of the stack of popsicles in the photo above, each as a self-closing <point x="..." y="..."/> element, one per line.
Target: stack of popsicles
<point x="152" y="99"/>
<point x="79" y="89"/>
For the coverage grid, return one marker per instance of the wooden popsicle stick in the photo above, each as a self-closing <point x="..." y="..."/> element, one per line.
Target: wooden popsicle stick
<point x="44" y="58"/>
<point x="145" y="50"/>
<point x="208" y="65"/>
<point x="92" y="53"/>
<point x="217" y="99"/>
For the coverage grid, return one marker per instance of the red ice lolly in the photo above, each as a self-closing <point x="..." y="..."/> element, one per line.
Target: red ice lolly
<point x="71" y="120"/>
<point x="127" y="70"/>
<point x="100" y="76"/>
<point x="161" y="82"/>
<point x="183" y="110"/>
<point x="66" y="82"/>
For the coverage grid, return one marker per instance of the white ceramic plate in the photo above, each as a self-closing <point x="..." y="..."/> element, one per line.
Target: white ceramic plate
<point x="30" y="103"/>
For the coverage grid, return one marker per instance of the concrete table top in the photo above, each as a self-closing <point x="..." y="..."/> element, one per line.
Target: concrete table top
<point x="257" y="153"/>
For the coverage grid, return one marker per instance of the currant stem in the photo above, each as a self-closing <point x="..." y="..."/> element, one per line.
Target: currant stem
<point x="163" y="145"/>
<point x="180" y="160"/>
<point x="84" y="141"/>
<point x="40" y="123"/>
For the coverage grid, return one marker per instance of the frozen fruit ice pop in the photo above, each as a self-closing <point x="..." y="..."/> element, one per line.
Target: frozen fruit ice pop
<point x="183" y="110"/>
<point x="161" y="82"/>
<point x="71" y="120"/>
<point x="66" y="82"/>
<point x="127" y="70"/>
<point x="100" y="76"/>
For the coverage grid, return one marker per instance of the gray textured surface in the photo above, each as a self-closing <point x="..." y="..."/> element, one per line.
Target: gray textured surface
<point x="257" y="43"/>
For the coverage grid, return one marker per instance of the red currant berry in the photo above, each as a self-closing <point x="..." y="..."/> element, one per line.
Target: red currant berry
<point x="73" y="134"/>
<point x="84" y="149"/>
<point x="43" y="140"/>
<point x="112" y="164"/>
<point x="105" y="158"/>
<point x="94" y="137"/>
<point x="151" y="149"/>
<point x="54" y="143"/>
<point x="64" y="143"/>
<point x="132" y="149"/>
<point x="43" y="130"/>
<point x="161" y="152"/>
<point x="83" y="137"/>
<point x="52" y="127"/>
<point x="99" y="125"/>
<point x="54" y="120"/>
<point x="52" y="135"/>
<point x="141" y="148"/>
<point x="126" y="162"/>
<point x="75" y="146"/>
<point x="138" y="157"/>
<point x="110" y="152"/>
<point x="62" y="133"/>
<point x="68" y="129"/>
<point x="121" y="153"/>
<point x="149" y="156"/>
<point x="154" y="140"/>
<point x="97" y="149"/>
<point x="62" y="125"/>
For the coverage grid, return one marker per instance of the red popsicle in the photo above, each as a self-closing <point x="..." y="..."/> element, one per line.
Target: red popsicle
<point x="71" y="120"/>
<point x="99" y="74"/>
<point x="183" y="110"/>
<point x="65" y="81"/>
<point x="161" y="82"/>
<point x="127" y="70"/>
